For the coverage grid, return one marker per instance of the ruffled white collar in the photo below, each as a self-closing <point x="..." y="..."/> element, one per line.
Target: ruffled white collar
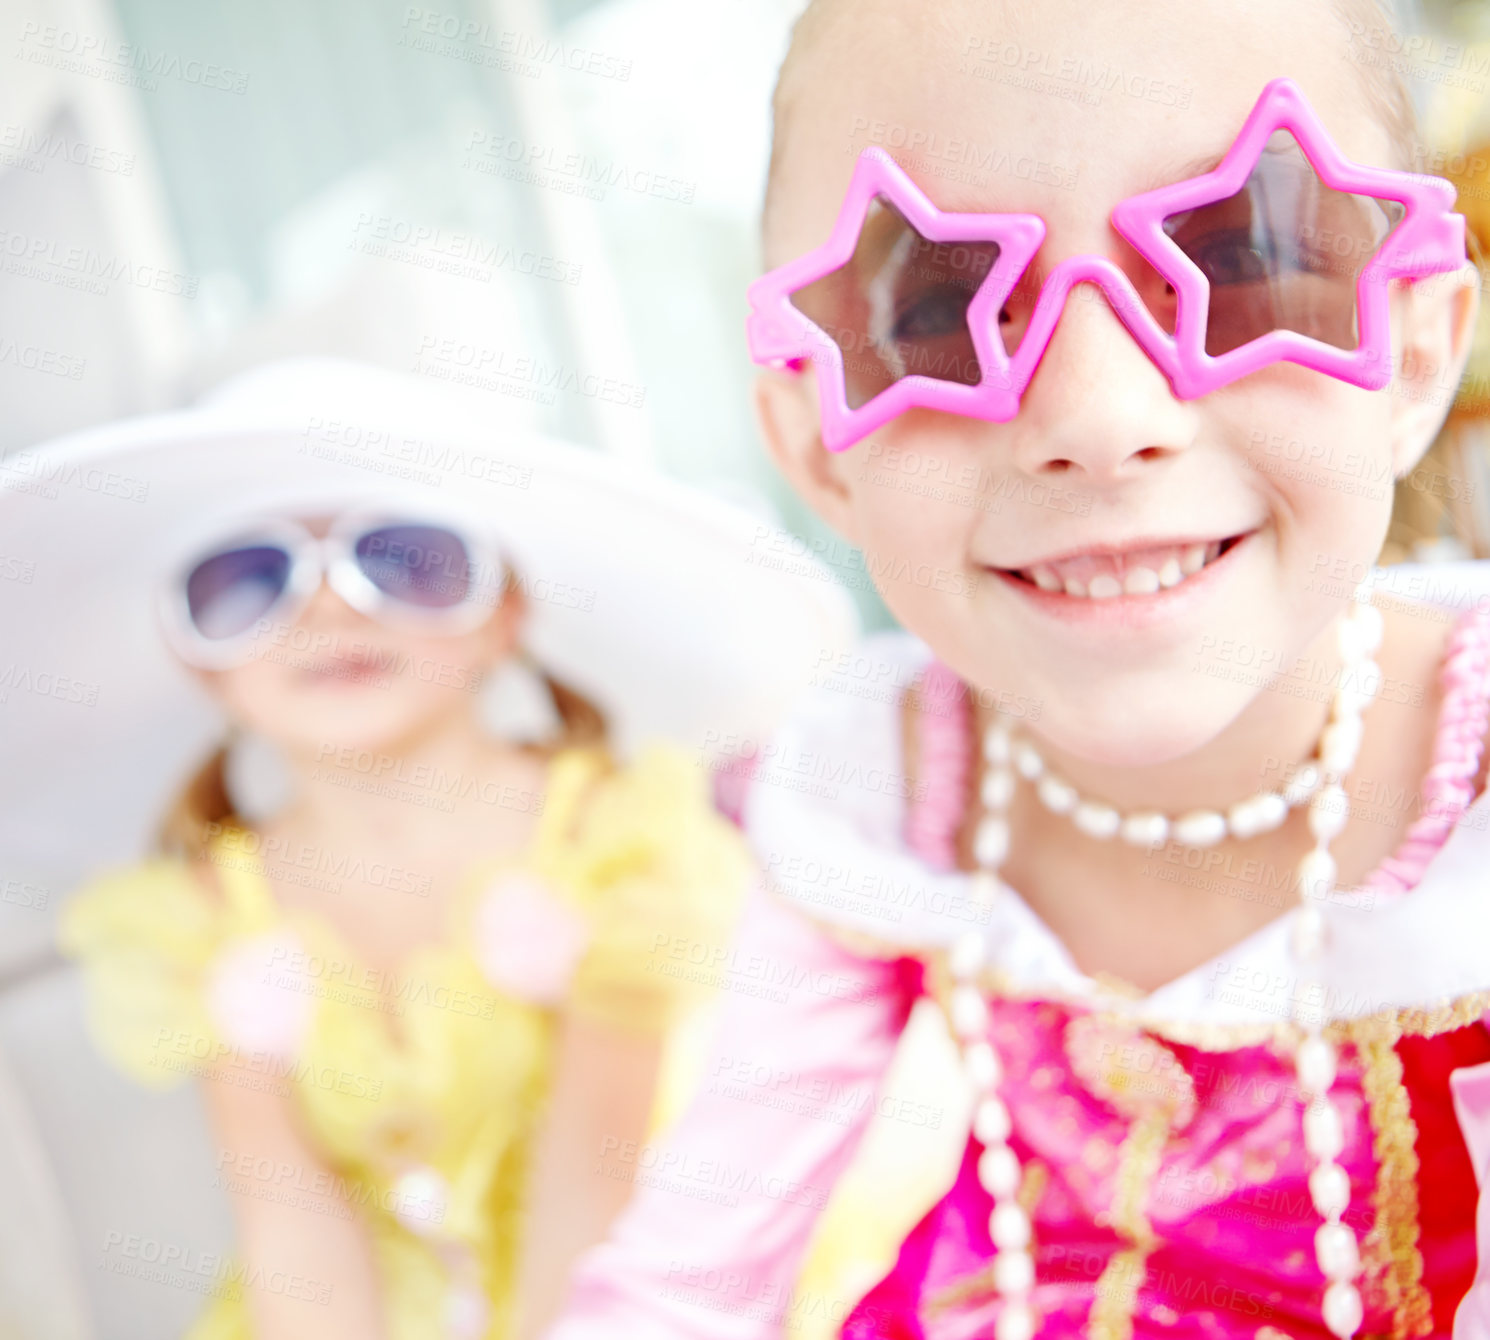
<point x="825" y="815"/>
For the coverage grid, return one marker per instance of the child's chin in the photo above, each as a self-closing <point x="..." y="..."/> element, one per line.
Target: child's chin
<point x="357" y="727"/>
<point x="1177" y="721"/>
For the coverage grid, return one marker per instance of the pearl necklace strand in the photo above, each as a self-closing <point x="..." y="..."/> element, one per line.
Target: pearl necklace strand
<point x="1316" y="1060"/>
<point x="1147" y="828"/>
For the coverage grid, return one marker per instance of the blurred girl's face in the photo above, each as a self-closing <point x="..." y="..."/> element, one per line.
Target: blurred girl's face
<point x="1287" y="474"/>
<point x="334" y="678"/>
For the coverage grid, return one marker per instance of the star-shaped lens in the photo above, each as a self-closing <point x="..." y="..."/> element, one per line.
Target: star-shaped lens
<point x="1285" y="251"/>
<point x="899" y="308"/>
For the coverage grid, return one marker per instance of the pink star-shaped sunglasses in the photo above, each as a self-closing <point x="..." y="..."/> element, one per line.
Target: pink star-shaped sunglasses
<point x="1283" y="252"/>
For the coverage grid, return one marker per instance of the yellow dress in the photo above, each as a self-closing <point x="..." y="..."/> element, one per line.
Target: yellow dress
<point x="421" y="1088"/>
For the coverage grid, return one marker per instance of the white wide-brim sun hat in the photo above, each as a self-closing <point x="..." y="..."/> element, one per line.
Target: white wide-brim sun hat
<point x="680" y="615"/>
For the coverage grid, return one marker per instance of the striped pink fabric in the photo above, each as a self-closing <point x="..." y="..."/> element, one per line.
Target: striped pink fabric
<point x="1446" y="791"/>
<point x="943" y="735"/>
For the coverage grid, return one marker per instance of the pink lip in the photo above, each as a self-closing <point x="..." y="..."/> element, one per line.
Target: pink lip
<point x="344" y="670"/>
<point x="1126" y="611"/>
<point x="1115" y="550"/>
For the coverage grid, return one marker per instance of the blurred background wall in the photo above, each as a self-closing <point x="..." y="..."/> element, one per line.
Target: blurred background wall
<point x="457" y="187"/>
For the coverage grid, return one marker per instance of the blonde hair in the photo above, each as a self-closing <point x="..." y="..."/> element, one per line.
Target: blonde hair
<point x="1383" y="84"/>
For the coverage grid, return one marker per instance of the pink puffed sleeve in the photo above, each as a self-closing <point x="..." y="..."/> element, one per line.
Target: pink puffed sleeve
<point x="710" y="1245"/>
<point x="1471" y="1089"/>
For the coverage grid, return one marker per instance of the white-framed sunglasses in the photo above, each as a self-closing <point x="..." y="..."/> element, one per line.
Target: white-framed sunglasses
<point x="409" y="572"/>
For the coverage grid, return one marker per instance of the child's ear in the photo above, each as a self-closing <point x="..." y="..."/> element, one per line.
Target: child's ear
<point x="1437" y="320"/>
<point x="786" y="409"/>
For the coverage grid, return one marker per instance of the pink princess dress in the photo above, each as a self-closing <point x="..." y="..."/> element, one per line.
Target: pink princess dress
<point x="1161" y="1137"/>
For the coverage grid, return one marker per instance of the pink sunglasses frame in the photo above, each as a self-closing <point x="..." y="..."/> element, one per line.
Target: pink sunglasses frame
<point x="1429" y="239"/>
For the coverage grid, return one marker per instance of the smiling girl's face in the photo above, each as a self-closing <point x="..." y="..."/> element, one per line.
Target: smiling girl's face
<point x="1287" y="474"/>
<point x="334" y="678"/>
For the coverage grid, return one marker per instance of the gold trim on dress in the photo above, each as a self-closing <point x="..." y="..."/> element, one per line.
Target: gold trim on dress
<point x="1427" y="1021"/>
<point x="1139" y="1159"/>
<point x="1111" y="1315"/>
<point x="1031" y="1188"/>
<point x="1391" y="1256"/>
<point x="1424" y="1021"/>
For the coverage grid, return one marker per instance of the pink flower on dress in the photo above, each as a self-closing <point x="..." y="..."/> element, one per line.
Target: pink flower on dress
<point x="421" y="1199"/>
<point x="258" y="994"/>
<point x="467" y="1312"/>
<point x="528" y="941"/>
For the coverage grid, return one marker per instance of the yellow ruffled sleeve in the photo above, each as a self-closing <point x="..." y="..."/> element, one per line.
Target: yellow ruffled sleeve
<point x="660" y="874"/>
<point x="143" y="938"/>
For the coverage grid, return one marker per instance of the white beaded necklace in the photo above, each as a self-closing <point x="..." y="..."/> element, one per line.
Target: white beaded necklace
<point x="1335" y="1245"/>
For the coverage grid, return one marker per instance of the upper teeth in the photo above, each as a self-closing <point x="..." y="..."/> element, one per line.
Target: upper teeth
<point x="1137" y="573"/>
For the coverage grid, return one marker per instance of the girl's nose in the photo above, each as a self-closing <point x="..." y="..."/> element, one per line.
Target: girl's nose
<point x="326" y="606"/>
<point x="1097" y="404"/>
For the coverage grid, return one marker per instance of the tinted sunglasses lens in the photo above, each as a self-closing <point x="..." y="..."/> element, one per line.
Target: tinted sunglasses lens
<point x="229" y="592"/>
<point x="899" y="307"/>
<point x="427" y="566"/>
<point x="1283" y="253"/>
